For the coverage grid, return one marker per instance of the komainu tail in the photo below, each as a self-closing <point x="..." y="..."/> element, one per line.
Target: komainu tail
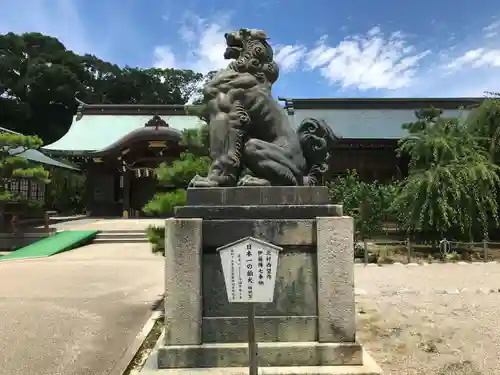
<point x="316" y="140"/>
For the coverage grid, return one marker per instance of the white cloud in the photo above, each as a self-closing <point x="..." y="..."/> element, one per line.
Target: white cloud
<point x="164" y="57"/>
<point x="475" y="58"/>
<point x="205" y="46"/>
<point x="492" y="29"/>
<point x="365" y="62"/>
<point x="289" y="56"/>
<point x="372" y="61"/>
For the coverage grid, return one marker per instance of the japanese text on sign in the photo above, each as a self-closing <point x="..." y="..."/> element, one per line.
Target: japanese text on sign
<point x="249" y="268"/>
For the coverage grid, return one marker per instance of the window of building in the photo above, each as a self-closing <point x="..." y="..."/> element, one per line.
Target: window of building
<point x="27" y="189"/>
<point x="14" y="186"/>
<point x="37" y="191"/>
<point x="24" y="188"/>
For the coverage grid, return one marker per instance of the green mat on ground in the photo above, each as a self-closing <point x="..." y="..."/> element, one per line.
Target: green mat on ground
<point x="55" y="244"/>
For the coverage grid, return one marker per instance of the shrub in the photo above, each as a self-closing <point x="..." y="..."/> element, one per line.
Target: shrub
<point x="156" y="236"/>
<point x="163" y="204"/>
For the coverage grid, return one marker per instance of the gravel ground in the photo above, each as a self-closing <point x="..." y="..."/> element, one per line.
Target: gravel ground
<point x="438" y="319"/>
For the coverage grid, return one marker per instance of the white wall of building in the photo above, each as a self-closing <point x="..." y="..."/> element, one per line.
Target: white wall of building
<point x="366" y="123"/>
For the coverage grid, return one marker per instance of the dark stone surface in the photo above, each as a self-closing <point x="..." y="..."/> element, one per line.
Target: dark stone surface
<point x="258" y="212"/>
<point x="270" y="354"/>
<point x="267" y="329"/>
<point x="269" y="195"/>
<point x="295" y="292"/>
<point x="281" y="232"/>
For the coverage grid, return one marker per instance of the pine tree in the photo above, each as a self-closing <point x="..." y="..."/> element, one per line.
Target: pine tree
<point x="14" y="167"/>
<point x="177" y="175"/>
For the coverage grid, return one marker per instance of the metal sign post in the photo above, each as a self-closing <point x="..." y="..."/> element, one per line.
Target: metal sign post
<point x="444" y="247"/>
<point x="249" y="266"/>
<point x="253" y="363"/>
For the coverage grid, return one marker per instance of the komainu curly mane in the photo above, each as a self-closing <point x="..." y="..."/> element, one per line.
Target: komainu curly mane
<point x="253" y="57"/>
<point x="248" y="128"/>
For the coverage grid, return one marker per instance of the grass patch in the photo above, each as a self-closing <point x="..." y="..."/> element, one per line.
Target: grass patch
<point x="147" y="346"/>
<point x="459" y="368"/>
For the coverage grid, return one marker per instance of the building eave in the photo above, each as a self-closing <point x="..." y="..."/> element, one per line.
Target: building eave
<point x="37" y="156"/>
<point x="381" y="103"/>
<point x="131" y="109"/>
<point x="140" y="135"/>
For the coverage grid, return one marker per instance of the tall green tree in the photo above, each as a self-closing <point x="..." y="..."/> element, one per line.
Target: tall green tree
<point x="484" y="123"/>
<point x="37" y="85"/>
<point x="39" y="79"/>
<point x="146" y="86"/>
<point x="452" y="183"/>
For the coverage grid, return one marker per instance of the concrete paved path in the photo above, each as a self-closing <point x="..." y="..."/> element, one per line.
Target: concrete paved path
<point x="77" y="312"/>
<point x="109" y="224"/>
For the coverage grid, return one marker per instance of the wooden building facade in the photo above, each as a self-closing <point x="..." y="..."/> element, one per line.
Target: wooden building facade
<point x="369" y="129"/>
<point x="119" y="146"/>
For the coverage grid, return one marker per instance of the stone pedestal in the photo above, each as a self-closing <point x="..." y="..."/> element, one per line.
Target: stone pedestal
<point x="312" y="319"/>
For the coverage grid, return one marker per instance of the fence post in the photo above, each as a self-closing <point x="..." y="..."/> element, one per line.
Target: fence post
<point x="408" y="247"/>
<point x="485" y="250"/>
<point x="365" y="251"/>
<point x="46" y="221"/>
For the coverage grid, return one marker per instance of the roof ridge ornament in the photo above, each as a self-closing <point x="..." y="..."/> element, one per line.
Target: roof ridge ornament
<point x="79" y="110"/>
<point x="156" y="121"/>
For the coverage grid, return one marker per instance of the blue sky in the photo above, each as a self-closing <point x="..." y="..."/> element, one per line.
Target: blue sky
<point x="325" y="48"/>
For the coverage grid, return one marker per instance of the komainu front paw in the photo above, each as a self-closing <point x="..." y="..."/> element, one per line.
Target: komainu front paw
<point x="202" y="182"/>
<point x="248" y="180"/>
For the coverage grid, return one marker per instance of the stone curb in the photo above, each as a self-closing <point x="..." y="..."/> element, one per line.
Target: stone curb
<point x="128" y="355"/>
<point x="451" y="291"/>
<point x="399" y="264"/>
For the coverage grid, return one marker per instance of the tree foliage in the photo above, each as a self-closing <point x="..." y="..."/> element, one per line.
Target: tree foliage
<point x="164" y="203"/>
<point x="14" y="167"/>
<point x="178" y="174"/>
<point x="452" y="183"/>
<point x="484" y="123"/>
<point x="66" y="191"/>
<point x="181" y="171"/>
<point x="39" y="79"/>
<point x="368" y="203"/>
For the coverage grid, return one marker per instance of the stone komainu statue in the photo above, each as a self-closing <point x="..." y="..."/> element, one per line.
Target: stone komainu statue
<point x="249" y="130"/>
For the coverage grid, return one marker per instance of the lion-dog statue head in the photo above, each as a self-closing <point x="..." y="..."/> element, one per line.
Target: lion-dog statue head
<point x="251" y="54"/>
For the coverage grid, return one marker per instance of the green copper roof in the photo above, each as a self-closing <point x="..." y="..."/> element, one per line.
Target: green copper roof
<point x="35" y="155"/>
<point x="95" y="132"/>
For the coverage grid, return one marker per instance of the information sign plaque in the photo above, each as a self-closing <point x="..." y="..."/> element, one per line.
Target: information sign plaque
<point x="249" y="266"/>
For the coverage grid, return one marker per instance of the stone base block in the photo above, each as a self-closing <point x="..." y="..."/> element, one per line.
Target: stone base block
<point x="369" y="367"/>
<point x="267" y="329"/>
<point x="248" y="195"/>
<point x="258" y="211"/>
<point x="270" y="354"/>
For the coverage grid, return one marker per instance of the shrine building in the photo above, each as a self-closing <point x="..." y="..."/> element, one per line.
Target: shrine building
<point x="369" y="129"/>
<point x="119" y="146"/>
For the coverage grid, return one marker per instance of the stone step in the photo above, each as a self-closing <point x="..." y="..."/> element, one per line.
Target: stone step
<point x="121" y="236"/>
<point x="120" y="240"/>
